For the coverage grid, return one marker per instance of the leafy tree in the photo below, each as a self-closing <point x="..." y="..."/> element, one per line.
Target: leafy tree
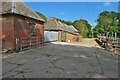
<point x="66" y="22"/>
<point x="108" y="22"/>
<point x="83" y="27"/>
<point x="42" y="16"/>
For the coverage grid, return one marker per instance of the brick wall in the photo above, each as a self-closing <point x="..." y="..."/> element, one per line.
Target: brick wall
<point x="7" y="36"/>
<point x="70" y="37"/>
<point x="15" y="26"/>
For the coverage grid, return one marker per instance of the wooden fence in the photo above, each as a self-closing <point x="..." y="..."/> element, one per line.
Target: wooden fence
<point x="28" y="42"/>
<point x="116" y="44"/>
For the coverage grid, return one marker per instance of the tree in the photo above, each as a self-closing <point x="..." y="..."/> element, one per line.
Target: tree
<point x="42" y="16"/>
<point x="108" y="22"/>
<point x="66" y="22"/>
<point x="83" y="27"/>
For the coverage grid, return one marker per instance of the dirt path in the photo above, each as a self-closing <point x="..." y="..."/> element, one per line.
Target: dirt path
<point x="89" y="43"/>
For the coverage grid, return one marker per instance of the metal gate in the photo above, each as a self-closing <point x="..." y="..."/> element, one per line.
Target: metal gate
<point x="28" y="42"/>
<point x="63" y="36"/>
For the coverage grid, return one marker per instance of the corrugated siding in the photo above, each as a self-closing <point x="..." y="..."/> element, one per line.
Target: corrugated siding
<point x="50" y="36"/>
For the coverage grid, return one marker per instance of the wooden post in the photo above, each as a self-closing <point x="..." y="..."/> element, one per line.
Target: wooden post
<point x="92" y="34"/>
<point x="100" y="36"/>
<point x="112" y="35"/>
<point x="115" y="41"/>
<point x="21" y="44"/>
<point x="37" y="41"/>
<point x="107" y="40"/>
<point x="17" y="44"/>
<point x="43" y="41"/>
<point x="30" y="42"/>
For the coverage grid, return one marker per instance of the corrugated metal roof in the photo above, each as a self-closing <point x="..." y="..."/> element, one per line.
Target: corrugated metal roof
<point x="19" y="8"/>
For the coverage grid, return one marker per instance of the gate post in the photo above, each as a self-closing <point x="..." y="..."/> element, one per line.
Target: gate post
<point x="17" y="44"/>
<point x="43" y="41"/>
<point x="37" y="42"/>
<point x="30" y="42"/>
<point x="21" y="44"/>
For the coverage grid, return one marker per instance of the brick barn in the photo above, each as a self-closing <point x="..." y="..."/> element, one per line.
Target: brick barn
<point x="62" y="31"/>
<point x="71" y="32"/>
<point x="21" y="27"/>
<point x="77" y="36"/>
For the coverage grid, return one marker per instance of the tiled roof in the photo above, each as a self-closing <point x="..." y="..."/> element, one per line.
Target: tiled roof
<point x="19" y="8"/>
<point x="54" y="24"/>
<point x="51" y="24"/>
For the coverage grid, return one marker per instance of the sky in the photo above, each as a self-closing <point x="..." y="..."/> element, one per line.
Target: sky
<point x="71" y="11"/>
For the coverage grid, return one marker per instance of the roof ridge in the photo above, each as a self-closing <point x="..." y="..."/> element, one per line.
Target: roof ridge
<point x="34" y="12"/>
<point x="55" y="21"/>
<point x="20" y="8"/>
<point x="13" y="10"/>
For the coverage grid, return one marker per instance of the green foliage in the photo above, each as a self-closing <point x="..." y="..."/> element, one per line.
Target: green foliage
<point x="66" y="22"/>
<point x="83" y="27"/>
<point x="42" y="16"/>
<point x="107" y="22"/>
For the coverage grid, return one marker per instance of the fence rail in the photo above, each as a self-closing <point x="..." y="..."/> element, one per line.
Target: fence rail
<point x="28" y="42"/>
<point x="116" y="43"/>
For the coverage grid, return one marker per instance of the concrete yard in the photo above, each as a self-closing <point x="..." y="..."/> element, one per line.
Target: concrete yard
<point x="61" y="60"/>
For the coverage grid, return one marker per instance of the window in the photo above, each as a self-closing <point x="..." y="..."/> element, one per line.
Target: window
<point x="32" y="29"/>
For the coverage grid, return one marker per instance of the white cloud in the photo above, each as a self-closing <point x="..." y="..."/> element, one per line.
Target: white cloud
<point x="107" y="4"/>
<point x="93" y="24"/>
<point x="62" y="13"/>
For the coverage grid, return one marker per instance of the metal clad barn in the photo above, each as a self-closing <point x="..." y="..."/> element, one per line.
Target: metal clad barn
<point x="50" y="36"/>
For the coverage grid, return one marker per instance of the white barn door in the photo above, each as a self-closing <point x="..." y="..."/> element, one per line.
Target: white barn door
<point x="50" y="36"/>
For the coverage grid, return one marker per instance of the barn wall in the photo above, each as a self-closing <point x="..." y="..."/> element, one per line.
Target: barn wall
<point x="70" y="37"/>
<point x="63" y="36"/>
<point x="50" y="36"/>
<point x="14" y="26"/>
<point x="22" y="27"/>
<point x="8" y="39"/>
<point x="22" y="31"/>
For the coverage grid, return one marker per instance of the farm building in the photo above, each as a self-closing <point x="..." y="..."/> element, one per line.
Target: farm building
<point x="58" y="31"/>
<point x="72" y="34"/>
<point x="51" y="31"/>
<point x="21" y="27"/>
